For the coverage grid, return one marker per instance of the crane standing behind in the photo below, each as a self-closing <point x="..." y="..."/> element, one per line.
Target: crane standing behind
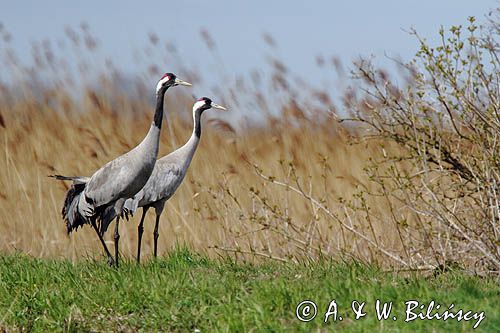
<point x="168" y="173"/>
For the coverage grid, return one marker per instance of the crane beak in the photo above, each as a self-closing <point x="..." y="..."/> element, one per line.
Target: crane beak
<point x="182" y="83"/>
<point x="217" y="106"/>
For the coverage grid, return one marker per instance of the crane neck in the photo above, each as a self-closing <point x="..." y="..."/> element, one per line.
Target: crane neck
<point x="190" y="147"/>
<point x="197" y="123"/>
<point x="150" y="143"/>
<point x="158" y="117"/>
<point x="186" y="152"/>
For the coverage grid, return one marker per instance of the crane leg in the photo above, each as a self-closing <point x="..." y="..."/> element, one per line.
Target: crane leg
<point x="117" y="239"/>
<point x="110" y="257"/>
<point x="156" y="235"/>
<point x="140" y="230"/>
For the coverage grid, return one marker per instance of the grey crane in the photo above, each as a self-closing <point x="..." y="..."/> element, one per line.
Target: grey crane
<point x="168" y="173"/>
<point x="98" y="199"/>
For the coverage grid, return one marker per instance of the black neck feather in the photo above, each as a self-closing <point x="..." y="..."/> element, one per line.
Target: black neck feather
<point x="197" y="124"/>
<point x="159" y="107"/>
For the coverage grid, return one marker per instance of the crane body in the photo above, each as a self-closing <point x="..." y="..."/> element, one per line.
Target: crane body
<point x="168" y="173"/>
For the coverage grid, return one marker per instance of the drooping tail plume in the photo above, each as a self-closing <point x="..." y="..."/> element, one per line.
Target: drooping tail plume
<point x="70" y="211"/>
<point x="75" y="179"/>
<point x="105" y="215"/>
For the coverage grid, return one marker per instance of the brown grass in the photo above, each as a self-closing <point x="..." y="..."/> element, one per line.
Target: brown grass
<point x="223" y="203"/>
<point x="276" y="177"/>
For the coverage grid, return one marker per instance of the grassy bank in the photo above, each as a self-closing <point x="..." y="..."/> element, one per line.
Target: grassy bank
<point x="184" y="292"/>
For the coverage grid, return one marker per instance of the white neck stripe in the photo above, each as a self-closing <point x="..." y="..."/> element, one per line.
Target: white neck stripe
<point x="161" y="82"/>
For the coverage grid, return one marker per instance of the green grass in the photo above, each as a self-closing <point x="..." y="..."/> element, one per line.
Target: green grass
<point x="184" y="292"/>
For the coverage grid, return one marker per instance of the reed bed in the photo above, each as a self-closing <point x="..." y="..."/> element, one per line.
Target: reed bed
<point x="280" y="176"/>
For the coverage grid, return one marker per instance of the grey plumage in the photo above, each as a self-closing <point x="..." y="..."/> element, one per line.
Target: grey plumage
<point x="70" y="207"/>
<point x="98" y="199"/>
<point x="166" y="178"/>
<point x="168" y="174"/>
<point x="75" y="179"/>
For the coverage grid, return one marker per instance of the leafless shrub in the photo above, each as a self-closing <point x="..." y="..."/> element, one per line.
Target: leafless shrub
<point x="447" y="121"/>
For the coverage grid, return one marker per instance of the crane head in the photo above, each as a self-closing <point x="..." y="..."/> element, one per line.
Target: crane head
<point x="205" y="103"/>
<point x="170" y="80"/>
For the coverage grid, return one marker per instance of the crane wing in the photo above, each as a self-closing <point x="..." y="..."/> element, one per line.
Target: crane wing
<point x="109" y="182"/>
<point x="164" y="180"/>
<point x="167" y="179"/>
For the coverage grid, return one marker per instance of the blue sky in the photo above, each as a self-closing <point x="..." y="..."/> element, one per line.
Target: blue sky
<point x="302" y="29"/>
